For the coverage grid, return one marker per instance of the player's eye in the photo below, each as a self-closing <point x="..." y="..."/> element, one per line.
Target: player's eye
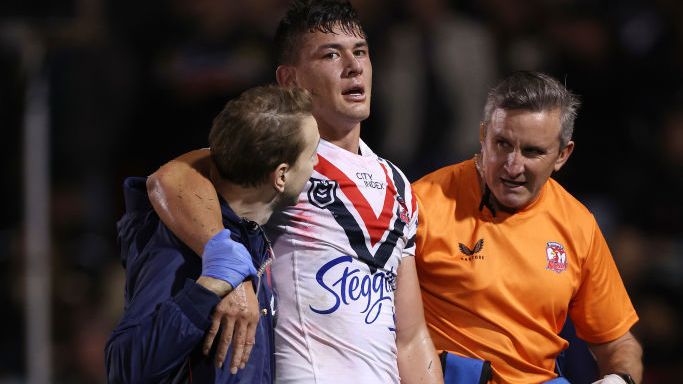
<point x="503" y="144"/>
<point x="533" y="152"/>
<point x="360" y="52"/>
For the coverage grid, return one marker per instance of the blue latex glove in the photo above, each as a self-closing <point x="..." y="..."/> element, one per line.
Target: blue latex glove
<point x="227" y="260"/>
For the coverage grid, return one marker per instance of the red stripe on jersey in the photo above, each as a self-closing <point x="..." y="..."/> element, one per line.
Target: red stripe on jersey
<point x="376" y="226"/>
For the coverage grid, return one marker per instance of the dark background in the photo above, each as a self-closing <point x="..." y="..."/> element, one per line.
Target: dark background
<point x="134" y="83"/>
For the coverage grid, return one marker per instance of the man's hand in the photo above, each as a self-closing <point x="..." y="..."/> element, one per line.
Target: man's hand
<point x="237" y="315"/>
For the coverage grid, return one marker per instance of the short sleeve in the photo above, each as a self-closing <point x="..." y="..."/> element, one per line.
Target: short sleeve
<point x="601" y="309"/>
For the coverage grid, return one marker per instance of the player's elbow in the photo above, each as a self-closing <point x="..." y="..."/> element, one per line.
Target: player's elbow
<point x="160" y="183"/>
<point x="189" y="170"/>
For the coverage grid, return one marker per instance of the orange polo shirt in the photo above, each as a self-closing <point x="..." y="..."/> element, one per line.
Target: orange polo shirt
<point x="500" y="287"/>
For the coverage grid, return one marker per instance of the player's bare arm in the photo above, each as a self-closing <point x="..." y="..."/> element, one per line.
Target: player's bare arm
<point x="417" y="358"/>
<point x="185" y="200"/>
<point x="187" y="203"/>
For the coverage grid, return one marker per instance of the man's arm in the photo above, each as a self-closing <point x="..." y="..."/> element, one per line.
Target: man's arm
<point x="186" y="201"/>
<point x="623" y="355"/>
<point x="417" y="359"/>
<point x="148" y="349"/>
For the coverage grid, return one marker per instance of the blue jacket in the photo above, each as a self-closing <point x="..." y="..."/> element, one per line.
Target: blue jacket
<point x="166" y="314"/>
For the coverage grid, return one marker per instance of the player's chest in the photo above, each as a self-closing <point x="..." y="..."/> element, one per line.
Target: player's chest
<point x="360" y="182"/>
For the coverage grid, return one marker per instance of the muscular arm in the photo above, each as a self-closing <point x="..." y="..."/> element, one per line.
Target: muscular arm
<point x="417" y="359"/>
<point x="621" y="355"/>
<point x="185" y="199"/>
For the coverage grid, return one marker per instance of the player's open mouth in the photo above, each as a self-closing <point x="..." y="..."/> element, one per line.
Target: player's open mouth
<point x="354" y="93"/>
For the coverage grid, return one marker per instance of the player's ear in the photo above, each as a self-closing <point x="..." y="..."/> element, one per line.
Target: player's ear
<point x="279" y="177"/>
<point x="286" y="75"/>
<point x="564" y="155"/>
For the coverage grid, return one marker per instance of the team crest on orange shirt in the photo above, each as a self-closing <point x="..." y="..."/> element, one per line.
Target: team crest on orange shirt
<point x="556" y="257"/>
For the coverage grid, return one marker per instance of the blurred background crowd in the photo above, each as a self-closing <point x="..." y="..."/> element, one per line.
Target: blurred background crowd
<point x="132" y="84"/>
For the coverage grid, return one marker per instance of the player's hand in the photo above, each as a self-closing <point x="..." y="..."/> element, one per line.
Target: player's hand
<point x="610" y="379"/>
<point x="237" y="315"/>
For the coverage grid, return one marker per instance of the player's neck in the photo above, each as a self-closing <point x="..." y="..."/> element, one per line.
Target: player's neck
<point x="252" y="203"/>
<point x="347" y="138"/>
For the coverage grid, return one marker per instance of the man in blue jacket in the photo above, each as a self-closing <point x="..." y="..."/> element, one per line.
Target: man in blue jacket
<point x="263" y="150"/>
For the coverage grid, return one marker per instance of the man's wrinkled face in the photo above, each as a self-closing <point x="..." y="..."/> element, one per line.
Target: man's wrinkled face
<point x="520" y="150"/>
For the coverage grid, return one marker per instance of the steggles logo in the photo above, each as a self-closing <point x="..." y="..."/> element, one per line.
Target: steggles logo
<point x="471" y="254"/>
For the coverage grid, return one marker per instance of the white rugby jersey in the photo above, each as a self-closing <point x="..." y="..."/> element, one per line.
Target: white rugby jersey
<point x="336" y="257"/>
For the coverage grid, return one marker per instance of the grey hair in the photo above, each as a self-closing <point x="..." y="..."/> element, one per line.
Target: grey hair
<point x="534" y="91"/>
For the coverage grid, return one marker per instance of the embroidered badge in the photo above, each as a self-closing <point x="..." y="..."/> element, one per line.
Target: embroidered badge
<point x="322" y="192"/>
<point x="403" y="210"/>
<point x="556" y="257"/>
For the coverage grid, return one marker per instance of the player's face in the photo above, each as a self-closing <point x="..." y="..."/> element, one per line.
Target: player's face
<point x="520" y="151"/>
<point x="336" y="69"/>
<point x="299" y="173"/>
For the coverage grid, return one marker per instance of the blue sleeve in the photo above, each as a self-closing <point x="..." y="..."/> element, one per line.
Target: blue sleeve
<point x="156" y="346"/>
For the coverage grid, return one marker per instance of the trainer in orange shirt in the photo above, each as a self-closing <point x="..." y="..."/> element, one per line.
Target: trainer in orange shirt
<point x="504" y="253"/>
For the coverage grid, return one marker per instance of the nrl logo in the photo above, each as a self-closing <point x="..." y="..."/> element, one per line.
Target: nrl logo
<point x="476" y="249"/>
<point x="322" y="192"/>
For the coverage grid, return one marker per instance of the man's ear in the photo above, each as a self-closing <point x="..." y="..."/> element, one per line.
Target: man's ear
<point x="280" y="177"/>
<point x="286" y="75"/>
<point x="564" y="155"/>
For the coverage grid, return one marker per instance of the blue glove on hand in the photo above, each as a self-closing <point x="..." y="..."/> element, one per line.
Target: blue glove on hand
<point x="227" y="260"/>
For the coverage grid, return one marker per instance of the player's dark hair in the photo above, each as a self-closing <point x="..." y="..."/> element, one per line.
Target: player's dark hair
<point x="258" y="131"/>
<point x="304" y="16"/>
<point x="534" y="91"/>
